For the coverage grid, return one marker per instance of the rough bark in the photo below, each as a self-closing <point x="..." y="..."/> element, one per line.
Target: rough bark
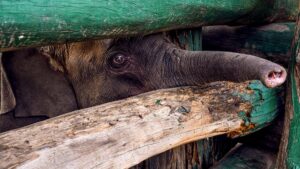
<point x="121" y="134"/>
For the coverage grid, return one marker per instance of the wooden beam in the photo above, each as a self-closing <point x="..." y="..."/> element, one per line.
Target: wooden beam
<point x="272" y="41"/>
<point x="289" y="154"/>
<point x="121" y="134"/>
<point x="39" y="22"/>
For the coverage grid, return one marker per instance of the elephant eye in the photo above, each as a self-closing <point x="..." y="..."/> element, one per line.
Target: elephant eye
<point x="118" y="60"/>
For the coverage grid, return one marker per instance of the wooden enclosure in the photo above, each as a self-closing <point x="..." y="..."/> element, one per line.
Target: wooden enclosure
<point x="86" y="139"/>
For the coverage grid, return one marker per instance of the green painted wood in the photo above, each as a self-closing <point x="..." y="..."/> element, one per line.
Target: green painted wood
<point x="272" y="41"/>
<point x="293" y="155"/>
<point x="267" y="104"/>
<point x="39" y="22"/>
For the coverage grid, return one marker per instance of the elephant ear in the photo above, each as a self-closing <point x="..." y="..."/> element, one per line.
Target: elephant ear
<point x="38" y="89"/>
<point x="7" y="100"/>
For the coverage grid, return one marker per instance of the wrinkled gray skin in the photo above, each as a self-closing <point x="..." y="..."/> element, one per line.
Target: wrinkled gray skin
<point x="95" y="72"/>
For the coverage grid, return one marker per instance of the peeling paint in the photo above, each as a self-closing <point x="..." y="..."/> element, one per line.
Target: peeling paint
<point x="268" y="103"/>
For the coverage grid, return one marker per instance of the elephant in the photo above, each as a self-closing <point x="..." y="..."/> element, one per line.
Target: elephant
<point x="43" y="82"/>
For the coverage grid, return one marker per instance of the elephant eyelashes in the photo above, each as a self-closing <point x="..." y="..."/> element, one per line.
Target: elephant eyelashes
<point x="118" y="61"/>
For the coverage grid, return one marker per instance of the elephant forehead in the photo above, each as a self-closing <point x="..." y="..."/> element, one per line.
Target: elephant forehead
<point x="86" y="51"/>
<point x="80" y="57"/>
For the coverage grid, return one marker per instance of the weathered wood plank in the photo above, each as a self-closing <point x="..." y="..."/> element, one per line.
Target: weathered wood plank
<point x="289" y="154"/>
<point x="123" y="133"/>
<point x="272" y="41"/>
<point x="40" y="22"/>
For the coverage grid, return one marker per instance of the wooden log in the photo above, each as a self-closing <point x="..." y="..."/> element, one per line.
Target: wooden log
<point x="121" y="134"/>
<point x="40" y="22"/>
<point x="289" y="154"/>
<point x="248" y="157"/>
<point x="272" y="41"/>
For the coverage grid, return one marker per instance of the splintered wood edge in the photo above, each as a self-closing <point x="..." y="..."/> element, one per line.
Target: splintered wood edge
<point x="123" y="133"/>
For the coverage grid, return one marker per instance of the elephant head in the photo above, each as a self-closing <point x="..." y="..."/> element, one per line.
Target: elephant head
<point x="89" y="73"/>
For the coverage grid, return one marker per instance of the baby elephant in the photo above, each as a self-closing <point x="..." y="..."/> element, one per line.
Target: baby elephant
<point x="46" y="82"/>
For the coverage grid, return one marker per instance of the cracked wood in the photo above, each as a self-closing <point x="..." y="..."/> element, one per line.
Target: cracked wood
<point x="121" y="134"/>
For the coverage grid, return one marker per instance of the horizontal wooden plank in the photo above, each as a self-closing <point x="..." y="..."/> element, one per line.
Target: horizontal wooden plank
<point x="40" y="22"/>
<point x="121" y="134"/>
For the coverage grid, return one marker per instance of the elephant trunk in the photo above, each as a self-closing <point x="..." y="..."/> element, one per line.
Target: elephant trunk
<point x="198" y="67"/>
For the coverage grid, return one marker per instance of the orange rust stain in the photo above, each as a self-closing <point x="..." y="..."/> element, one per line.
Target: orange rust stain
<point x="242" y="130"/>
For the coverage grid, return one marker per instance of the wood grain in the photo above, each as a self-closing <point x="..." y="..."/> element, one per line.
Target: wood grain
<point x="41" y="22"/>
<point x="121" y="134"/>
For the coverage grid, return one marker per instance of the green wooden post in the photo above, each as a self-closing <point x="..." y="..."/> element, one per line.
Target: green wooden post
<point x="289" y="155"/>
<point x="293" y="158"/>
<point x="39" y="22"/>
